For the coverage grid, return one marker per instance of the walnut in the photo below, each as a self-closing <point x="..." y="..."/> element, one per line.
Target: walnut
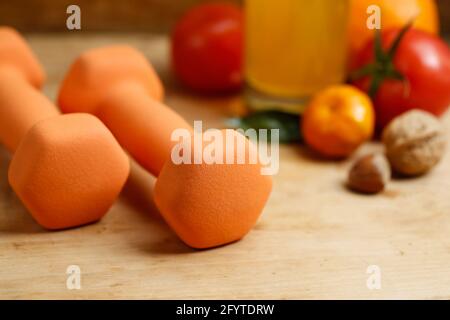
<point x="415" y="142"/>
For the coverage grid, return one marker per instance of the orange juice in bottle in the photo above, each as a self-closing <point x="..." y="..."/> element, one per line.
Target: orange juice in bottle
<point x="293" y="49"/>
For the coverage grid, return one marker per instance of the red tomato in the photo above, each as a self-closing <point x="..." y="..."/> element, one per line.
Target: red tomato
<point x="207" y="48"/>
<point x="423" y="60"/>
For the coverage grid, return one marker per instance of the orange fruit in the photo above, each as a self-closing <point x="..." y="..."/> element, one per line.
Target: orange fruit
<point x="394" y="13"/>
<point x="338" y="120"/>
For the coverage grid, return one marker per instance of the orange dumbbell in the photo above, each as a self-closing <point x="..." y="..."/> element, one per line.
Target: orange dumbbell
<point x="66" y="169"/>
<point x="206" y="205"/>
<point x="209" y="205"/>
<point x="118" y="85"/>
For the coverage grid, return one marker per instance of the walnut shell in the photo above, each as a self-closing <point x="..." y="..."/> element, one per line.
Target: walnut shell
<point x="415" y="142"/>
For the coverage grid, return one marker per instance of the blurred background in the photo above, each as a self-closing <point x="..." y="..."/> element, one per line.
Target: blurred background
<point x="117" y="15"/>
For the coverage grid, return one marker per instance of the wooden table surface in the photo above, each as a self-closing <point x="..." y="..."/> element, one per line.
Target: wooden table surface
<point x="314" y="240"/>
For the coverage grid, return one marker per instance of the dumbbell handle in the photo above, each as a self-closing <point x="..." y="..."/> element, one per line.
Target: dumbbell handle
<point x="21" y="106"/>
<point x="141" y="124"/>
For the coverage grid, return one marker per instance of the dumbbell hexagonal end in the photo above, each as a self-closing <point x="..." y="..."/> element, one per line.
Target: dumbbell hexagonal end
<point x="96" y="72"/>
<point x="15" y="53"/>
<point x="68" y="170"/>
<point x="209" y="205"/>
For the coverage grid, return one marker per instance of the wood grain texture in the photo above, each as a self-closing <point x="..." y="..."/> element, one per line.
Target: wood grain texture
<point x="117" y="15"/>
<point x="314" y="240"/>
<point x="97" y="15"/>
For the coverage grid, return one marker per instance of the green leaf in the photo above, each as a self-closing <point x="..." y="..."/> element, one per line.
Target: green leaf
<point x="394" y="47"/>
<point x="375" y="85"/>
<point x="380" y="55"/>
<point x="383" y="67"/>
<point x="287" y="123"/>
<point x="394" y="74"/>
<point x="365" y="71"/>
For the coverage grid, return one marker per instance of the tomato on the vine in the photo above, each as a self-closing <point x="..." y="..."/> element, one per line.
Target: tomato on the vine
<point x="207" y="48"/>
<point x="403" y="70"/>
